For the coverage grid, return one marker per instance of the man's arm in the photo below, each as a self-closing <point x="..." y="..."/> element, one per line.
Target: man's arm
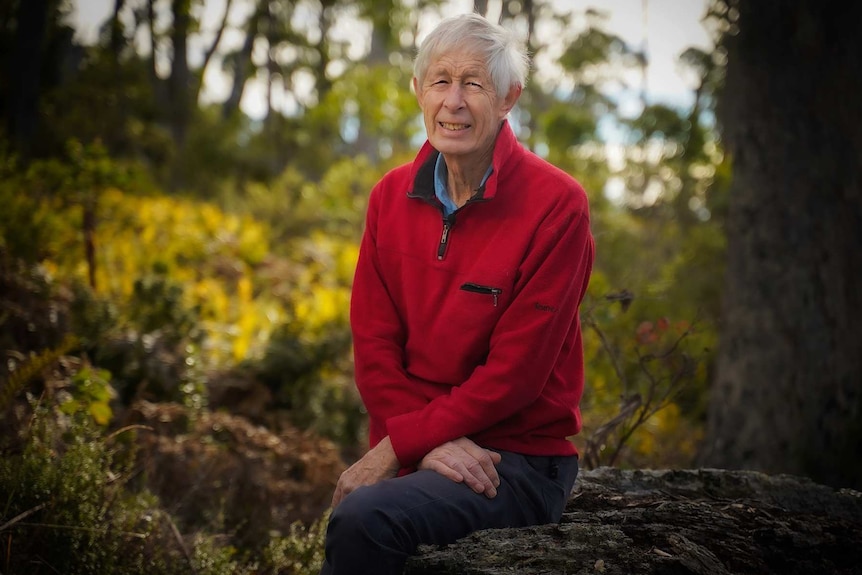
<point x="460" y="460"/>
<point x="379" y="334"/>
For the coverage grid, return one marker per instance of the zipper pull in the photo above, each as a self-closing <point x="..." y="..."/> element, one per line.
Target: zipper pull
<point x="441" y="249"/>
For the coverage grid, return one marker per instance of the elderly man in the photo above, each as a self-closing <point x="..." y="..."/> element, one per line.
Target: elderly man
<point x="464" y="313"/>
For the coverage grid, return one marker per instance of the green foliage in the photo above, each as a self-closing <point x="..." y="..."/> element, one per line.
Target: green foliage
<point x="590" y="49"/>
<point x="301" y="551"/>
<point x="309" y="379"/>
<point x="67" y="505"/>
<point x="157" y="303"/>
<point x="92" y="317"/>
<point x="91" y="391"/>
<point x="155" y="353"/>
<point x="31" y="220"/>
<point x="292" y="207"/>
<point x="219" y="152"/>
<point x="565" y="126"/>
<point x="65" y="508"/>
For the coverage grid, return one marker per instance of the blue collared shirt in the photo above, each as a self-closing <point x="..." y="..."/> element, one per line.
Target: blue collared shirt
<point x="441" y="174"/>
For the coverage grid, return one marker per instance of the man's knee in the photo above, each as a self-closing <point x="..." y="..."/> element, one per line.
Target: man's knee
<point x="363" y="536"/>
<point x="361" y="516"/>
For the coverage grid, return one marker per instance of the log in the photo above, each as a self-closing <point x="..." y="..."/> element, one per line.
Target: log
<point x="673" y="522"/>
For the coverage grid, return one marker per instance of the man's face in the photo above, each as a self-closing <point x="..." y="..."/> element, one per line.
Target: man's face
<point x="460" y="105"/>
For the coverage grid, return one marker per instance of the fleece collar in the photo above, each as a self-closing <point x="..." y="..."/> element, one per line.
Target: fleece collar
<point x="507" y="153"/>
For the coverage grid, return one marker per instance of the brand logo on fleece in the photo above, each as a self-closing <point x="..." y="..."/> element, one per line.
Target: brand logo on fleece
<point x="542" y="307"/>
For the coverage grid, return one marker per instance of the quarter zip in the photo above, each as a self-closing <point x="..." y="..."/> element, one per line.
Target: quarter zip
<point x="444" y="239"/>
<point x="449" y="222"/>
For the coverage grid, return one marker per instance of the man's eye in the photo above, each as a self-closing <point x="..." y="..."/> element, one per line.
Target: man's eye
<point x="474" y="84"/>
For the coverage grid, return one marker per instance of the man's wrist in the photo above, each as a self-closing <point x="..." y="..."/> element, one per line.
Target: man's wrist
<point x="387" y="452"/>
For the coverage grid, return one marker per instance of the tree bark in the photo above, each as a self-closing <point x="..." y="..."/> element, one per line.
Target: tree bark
<point x="788" y="390"/>
<point x="672" y="522"/>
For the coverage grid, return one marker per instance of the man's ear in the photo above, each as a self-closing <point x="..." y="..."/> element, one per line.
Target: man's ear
<point x="510" y="100"/>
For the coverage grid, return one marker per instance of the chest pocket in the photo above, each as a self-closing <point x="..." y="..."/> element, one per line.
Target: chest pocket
<point x="493" y="291"/>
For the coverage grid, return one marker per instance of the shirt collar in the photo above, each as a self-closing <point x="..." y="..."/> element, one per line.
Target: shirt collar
<point x="441" y="174"/>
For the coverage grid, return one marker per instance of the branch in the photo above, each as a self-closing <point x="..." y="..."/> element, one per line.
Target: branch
<point x="597" y="438"/>
<point x="178" y="536"/>
<point x="606" y="345"/>
<point x="212" y="49"/>
<point x="22" y="516"/>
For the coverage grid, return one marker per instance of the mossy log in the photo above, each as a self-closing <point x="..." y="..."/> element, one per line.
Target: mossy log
<point x="673" y="522"/>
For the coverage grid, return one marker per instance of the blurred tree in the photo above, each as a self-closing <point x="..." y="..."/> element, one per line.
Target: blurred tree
<point x="787" y="395"/>
<point x="25" y="67"/>
<point x="36" y="53"/>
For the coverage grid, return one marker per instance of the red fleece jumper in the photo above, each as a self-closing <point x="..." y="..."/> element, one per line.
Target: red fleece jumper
<point x="468" y="325"/>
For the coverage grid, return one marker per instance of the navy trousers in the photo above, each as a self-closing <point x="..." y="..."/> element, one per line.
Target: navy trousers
<point x="377" y="527"/>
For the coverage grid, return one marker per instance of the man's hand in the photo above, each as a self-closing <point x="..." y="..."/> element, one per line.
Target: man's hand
<point x="463" y="460"/>
<point x="378" y="464"/>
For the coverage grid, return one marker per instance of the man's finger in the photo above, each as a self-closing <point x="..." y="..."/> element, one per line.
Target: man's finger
<point x="482" y="466"/>
<point x="445" y="470"/>
<point x="485" y="468"/>
<point x="489" y="467"/>
<point x="477" y="478"/>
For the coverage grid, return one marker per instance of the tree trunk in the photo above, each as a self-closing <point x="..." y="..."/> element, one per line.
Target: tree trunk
<point x="321" y="49"/>
<point x="179" y="83"/>
<point x="788" y="389"/>
<point x="88" y="227"/>
<point x="382" y="37"/>
<point x="160" y="93"/>
<point x="26" y="65"/>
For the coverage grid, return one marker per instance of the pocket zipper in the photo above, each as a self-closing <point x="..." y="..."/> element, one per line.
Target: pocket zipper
<point x="476" y="288"/>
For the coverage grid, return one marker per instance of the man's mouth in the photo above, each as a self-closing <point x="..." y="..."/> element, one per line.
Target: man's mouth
<point x="454" y="127"/>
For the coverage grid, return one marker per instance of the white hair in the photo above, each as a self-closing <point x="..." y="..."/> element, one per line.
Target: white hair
<point x="507" y="61"/>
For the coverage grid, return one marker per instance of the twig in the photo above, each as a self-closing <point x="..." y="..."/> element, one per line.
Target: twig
<point x="85" y="529"/>
<point x="606" y="345"/>
<point x="127" y="428"/>
<point x="48" y="565"/>
<point x="178" y="536"/>
<point x="636" y="410"/>
<point x="603" y="431"/>
<point x="22" y="516"/>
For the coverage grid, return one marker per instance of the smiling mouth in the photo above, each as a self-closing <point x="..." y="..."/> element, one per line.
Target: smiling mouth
<point x="454" y="127"/>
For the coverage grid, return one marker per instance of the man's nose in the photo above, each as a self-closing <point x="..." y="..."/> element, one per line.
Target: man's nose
<point x="454" y="96"/>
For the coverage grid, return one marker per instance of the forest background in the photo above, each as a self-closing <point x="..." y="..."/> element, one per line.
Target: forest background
<point x="177" y="385"/>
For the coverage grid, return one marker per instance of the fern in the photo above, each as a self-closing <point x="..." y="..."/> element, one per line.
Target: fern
<point x="23" y="375"/>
